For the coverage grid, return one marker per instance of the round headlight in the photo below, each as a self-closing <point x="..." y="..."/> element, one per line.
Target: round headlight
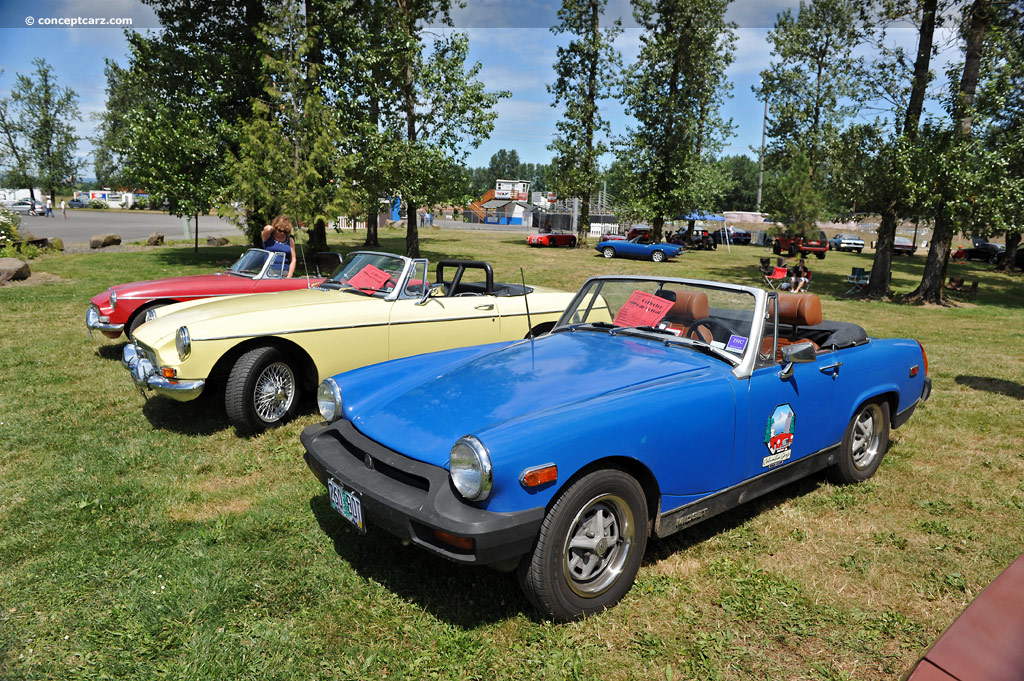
<point x="469" y="465"/>
<point x="183" y="342"/>
<point x="328" y="399"/>
<point x="113" y="299"/>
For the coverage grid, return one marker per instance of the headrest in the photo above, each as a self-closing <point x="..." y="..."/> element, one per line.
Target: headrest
<point x="689" y="305"/>
<point x="799" y="309"/>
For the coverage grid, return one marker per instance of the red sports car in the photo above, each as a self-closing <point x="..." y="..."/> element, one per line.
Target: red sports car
<point x="122" y="308"/>
<point x="552" y="239"/>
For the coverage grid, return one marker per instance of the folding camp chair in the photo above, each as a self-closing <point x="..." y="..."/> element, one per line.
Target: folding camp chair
<point x="858" y="280"/>
<point x="779" y="276"/>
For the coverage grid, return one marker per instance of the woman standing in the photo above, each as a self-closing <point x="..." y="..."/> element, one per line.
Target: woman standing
<point x="277" y="238"/>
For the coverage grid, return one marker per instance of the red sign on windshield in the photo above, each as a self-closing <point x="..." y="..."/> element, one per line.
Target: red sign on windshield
<point x="370" y="279"/>
<point x="642" y="309"/>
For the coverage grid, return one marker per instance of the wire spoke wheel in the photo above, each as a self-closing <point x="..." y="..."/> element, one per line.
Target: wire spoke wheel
<point x="274" y="392"/>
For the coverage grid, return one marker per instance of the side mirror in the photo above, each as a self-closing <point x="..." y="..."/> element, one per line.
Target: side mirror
<point x="794" y="354"/>
<point x="433" y="291"/>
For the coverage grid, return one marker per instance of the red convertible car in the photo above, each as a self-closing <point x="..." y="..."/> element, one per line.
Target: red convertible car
<point x="552" y="239"/>
<point x="122" y="308"/>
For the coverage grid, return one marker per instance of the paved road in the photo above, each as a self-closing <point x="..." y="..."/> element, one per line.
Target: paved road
<point x="82" y="225"/>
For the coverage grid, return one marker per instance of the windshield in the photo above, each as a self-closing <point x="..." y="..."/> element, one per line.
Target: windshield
<point x="250" y="264"/>
<point x="367" y="273"/>
<point x="692" y="313"/>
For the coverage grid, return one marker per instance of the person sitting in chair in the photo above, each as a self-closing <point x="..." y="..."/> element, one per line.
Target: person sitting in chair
<point x="799" y="276"/>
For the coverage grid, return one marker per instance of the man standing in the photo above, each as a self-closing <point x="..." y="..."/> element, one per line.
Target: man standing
<point x="64" y="208"/>
<point x="49" y="208"/>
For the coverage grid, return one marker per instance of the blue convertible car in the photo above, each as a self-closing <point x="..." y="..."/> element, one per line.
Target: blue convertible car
<point x="654" y="403"/>
<point x="639" y="247"/>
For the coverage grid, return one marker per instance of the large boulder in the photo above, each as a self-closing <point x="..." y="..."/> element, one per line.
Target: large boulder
<point x="217" y="241"/>
<point x="13" y="269"/>
<point x="104" y="240"/>
<point x="155" y="239"/>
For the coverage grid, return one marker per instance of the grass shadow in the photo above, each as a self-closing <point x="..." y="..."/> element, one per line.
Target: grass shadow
<point x="201" y="416"/>
<point x="462" y="595"/>
<point x="108" y="351"/>
<point x="992" y="385"/>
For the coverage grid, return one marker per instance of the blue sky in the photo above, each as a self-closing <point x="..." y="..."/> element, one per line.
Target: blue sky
<point x="510" y="39"/>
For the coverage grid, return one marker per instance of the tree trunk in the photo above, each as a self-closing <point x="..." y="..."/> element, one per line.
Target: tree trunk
<point x="919" y="85"/>
<point x="318" y="235"/>
<point x="583" y="222"/>
<point x="372" y="225"/>
<point x="412" y="235"/>
<point x="931" y="288"/>
<point x="657" y="226"/>
<point x="196" y="249"/>
<point x="1010" y="258"/>
<point x="878" y="284"/>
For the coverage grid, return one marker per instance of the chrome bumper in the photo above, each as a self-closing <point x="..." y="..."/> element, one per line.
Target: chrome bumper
<point x="145" y="375"/>
<point x="93" y="321"/>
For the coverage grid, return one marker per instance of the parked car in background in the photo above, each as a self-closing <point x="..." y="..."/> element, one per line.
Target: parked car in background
<point x="263" y="351"/>
<point x="24" y="207"/>
<point x="983" y="249"/>
<point x="639" y="247"/>
<point x="78" y="203"/>
<point x="1018" y="259"/>
<point x="558" y="457"/>
<point x="903" y="246"/>
<point x="552" y="239"/>
<point x="699" y="239"/>
<point x="122" y="308"/>
<point x="734" y="235"/>
<point x="791" y="245"/>
<point x="846" y="242"/>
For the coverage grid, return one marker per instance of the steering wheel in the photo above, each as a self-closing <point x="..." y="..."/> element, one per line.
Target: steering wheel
<point x="712" y="325"/>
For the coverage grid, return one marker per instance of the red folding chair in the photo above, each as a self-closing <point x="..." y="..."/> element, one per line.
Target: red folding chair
<point x="778" y="276"/>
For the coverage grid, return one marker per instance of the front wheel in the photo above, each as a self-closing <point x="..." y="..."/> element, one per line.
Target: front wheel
<point x="776" y="248"/>
<point x="262" y="391"/>
<point x="572" y="242"/>
<point x="589" y="547"/>
<point x="657" y="256"/>
<point x="863" y="445"/>
<point x="609" y="252"/>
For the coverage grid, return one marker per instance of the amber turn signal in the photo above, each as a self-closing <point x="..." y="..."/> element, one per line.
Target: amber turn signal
<point x="464" y="543"/>
<point x="169" y="372"/>
<point x="541" y="475"/>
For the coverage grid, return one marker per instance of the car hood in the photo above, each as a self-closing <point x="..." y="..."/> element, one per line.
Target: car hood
<point x="432" y="402"/>
<point x="263" y="314"/>
<point x="209" y="284"/>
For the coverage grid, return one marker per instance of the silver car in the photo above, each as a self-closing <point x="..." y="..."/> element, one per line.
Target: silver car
<point x="24" y="207"/>
<point x="846" y="242"/>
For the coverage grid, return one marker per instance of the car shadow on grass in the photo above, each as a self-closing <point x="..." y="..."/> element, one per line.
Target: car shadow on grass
<point x="201" y="416"/>
<point x="114" y="352"/>
<point x="992" y="385"/>
<point x="462" y="595"/>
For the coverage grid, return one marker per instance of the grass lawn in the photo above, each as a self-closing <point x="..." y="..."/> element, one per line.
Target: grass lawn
<point x="145" y="540"/>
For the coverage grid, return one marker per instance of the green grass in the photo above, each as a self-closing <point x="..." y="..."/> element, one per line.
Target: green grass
<point x="144" y="540"/>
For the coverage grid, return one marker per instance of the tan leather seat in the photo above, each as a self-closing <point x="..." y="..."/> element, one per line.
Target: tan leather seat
<point x="798" y="309"/>
<point x="688" y="308"/>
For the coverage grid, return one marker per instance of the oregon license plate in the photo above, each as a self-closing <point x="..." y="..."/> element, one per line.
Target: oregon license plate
<point x="346" y="503"/>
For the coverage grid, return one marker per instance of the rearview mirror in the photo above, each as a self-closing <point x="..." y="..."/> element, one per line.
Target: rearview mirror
<point x="793" y="354"/>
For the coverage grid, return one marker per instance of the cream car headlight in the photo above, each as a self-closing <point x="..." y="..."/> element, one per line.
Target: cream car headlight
<point x="469" y="465"/>
<point x="328" y="399"/>
<point x="183" y="342"/>
<point x="113" y="299"/>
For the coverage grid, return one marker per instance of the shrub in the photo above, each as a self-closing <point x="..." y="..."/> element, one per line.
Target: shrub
<point x="96" y="203"/>
<point x="9" y="222"/>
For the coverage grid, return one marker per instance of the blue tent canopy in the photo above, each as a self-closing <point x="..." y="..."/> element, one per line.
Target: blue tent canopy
<point x="707" y="217"/>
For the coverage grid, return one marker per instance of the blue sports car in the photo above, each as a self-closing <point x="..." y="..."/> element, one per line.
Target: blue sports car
<point x="559" y="456"/>
<point x="639" y="247"/>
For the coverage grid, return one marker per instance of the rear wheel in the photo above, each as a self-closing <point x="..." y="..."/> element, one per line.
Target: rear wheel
<point x="863" y="445"/>
<point x="657" y="256"/>
<point x="608" y="252"/>
<point x="820" y="256"/>
<point x="589" y="547"/>
<point x="262" y="391"/>
<point x="572" y="242"/>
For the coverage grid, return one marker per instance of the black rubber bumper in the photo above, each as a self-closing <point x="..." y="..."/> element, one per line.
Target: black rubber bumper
<point x="410" y="499"/>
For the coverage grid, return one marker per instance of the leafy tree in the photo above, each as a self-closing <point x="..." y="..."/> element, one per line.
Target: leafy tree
<point x="742" y="173"/>
<point x="585" y="73"/>
<point x="38" y="132"/>
<point x="674" y="91"/>
<point x="813" y="86"/>
<point x="794" y="199"/>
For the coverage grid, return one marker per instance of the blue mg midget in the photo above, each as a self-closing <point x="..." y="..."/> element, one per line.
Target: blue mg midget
<point x="654" y="403"/>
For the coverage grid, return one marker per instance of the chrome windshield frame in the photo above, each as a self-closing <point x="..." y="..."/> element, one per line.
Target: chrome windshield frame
<point x="747" y="360"/>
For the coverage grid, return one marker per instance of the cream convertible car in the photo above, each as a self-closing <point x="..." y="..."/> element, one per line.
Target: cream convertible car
<point x="265" y="349"/>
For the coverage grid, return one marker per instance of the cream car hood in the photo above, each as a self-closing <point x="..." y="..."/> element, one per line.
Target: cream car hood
<point x="262" y="314"/>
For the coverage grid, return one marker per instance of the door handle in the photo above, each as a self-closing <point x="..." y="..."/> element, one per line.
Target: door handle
<point x="831" y="368"/>
<point x="488" y="306"/>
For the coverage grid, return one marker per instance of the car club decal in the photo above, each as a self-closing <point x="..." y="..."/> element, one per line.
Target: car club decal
<point x="778" y="436"/>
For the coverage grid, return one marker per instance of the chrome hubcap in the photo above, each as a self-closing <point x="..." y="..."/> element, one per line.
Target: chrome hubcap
<point x="598" y="545"/>
<point x="275" y="390"/>
<point x="866" y="437"/>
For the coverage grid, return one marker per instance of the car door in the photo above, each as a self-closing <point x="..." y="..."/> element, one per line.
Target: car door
<point x="418" y="325"/>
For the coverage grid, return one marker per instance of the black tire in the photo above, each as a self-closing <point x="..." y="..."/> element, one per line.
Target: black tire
<point x="140" y="318"/>
<point x="820" y="256"/>
<point x="792" y="251"/>
<point x="863" y="445"/>
<point x="608" y="252"/>
<point x="571" y="572"/>
<point x="859" y="250"/>
<point x="776" y="248"/>
<point x="572" y="242"/>
<point x="552" y="242"/>
<point x="658" y="256"/>
<point x="262" y="390"/>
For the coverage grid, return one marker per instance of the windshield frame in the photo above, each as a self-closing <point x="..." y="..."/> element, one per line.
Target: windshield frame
<point x="267" y="259"/>
<point x="400" y="280"/>
<point x="745" y="364"/>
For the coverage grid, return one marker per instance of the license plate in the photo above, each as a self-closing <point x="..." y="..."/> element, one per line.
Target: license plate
<point x="346" y="503"/>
